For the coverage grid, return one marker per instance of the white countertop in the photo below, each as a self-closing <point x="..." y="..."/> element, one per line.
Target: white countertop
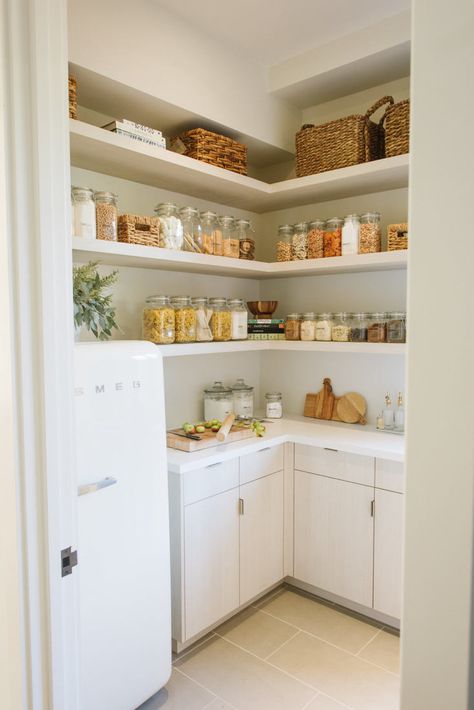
<point x="354" y="439"/>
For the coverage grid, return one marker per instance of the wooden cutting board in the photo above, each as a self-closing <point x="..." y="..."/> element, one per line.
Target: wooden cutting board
<point x="208" y="439"/>
<point x="350" y="408"/>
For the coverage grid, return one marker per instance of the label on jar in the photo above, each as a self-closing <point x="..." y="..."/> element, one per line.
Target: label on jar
<point x="239" y="325"/>
<point x="274" y="410"/>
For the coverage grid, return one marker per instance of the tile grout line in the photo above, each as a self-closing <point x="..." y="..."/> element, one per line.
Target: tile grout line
<point x="368" y="642"/>
<point x="306" y="705"/>
<point x="216" y="697"/>
<point x="281" y="646"/>
<point x="335" y="700"/>
<point x="186" y="652"/>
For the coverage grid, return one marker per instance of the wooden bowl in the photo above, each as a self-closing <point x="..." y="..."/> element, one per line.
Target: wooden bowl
<point x="262" y="309"/>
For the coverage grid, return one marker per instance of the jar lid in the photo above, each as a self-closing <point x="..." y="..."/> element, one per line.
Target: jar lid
<point x="396" y="315"/>
<point x="377" y="316"/>
<point x="273" y="395"/>
<point x="300" y="227"/>
<point x="325" y="316"/>
<point x="207" y="214"/>
<point x="235" y="302"/>
<point x="217" y="388"/>
<point x="220" y="300"/>
<point x="199" y="301"/>
<point x="189" y="211"/>
<point x="166" y="205"/>
<point x="309" y="316"/>
<point x="243" y="223"/>
<point x="370" y="215"/>
<point x="361" y="315"/>
<point x="351" y="217"/>
<point x="105" y="196"/>
<point x="180" y="299"/>
<point x="226" y="220"/>
<point x="240" y="386"/>
<point x="285" y="228"/>
<point x="157" y="297"/>
<point x="315" y="223"/>
<point x="335" y="221"/>
<point x="294" y="316"/>
<point x="76" y="190"/>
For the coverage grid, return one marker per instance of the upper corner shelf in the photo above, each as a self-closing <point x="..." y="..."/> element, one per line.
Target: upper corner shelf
<point x="99" y="150"/>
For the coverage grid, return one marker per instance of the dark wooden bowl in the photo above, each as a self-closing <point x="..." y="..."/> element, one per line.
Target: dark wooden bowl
<point x="262" y="309"/>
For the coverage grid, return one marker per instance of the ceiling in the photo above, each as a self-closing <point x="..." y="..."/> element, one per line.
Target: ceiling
<point x="271" y="31"/>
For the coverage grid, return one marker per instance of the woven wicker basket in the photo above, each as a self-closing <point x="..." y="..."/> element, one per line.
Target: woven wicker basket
<point x="215" y="149"/>
<point x="134" y="229"/>
<point x="397" y="236"/>
<point x="72" y="85"/>
<point x="397" y="129"/>
<point x="347" y="141"/>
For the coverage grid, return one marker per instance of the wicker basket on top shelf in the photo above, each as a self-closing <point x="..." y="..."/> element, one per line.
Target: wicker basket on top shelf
<point x="72" y="86"/>
<point x="134" y="229"/>
<point x="397" y="129"/>
<point x="212" y="148"/>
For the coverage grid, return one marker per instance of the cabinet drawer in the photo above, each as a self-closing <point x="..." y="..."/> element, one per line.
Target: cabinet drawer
<point x="390" y="475"/>
<point x="210" y="480"/>
<point x="261" y="463"/>
<point x="353" y="468"/>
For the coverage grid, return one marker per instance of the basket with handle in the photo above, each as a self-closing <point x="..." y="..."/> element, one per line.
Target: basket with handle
<point x="397" y="129"/>
<point x="346" y="141"/>
<point x="213" y="148"/>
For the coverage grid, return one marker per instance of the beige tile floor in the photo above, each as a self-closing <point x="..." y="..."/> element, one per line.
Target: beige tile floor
<point x="288" y="652"/>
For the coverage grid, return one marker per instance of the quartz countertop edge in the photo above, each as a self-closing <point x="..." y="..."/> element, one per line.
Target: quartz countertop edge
<point x="298" y="430"/>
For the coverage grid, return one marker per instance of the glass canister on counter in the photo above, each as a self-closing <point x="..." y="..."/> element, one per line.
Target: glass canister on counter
<point x="377" y="328"/>
<point x="83" y="217"/>
<point x="293" y="326"/>
<point x="208" y="226"/>
<point x="239" y="319"/>
<point x="106" y="215"/>
<point x="359" y="327"/>
<point x="203" y="319"/>
<point x="308" y="327"/>
<point x="333" y="237"/>
<point x="350" y="235"/>
<point x="230" y="241"/>
<point x="273" y="405"/>
<point x="185" y="319"/>
<point x="324" y="327"/>
<point x="171" y="226"/>
<point x="340" y="331"/>
<point x="299" y="241"/>
<point x="370" y="234"/>
<point x="316" y="239"/>
<point x="244" y="234"/>
<point x="221" y="320"/>
<point x="243" y="399"/>
<point x="218" y="402"/>
<point x="192" y="230"/>
<point x="158" y="320"/>
<point x="396" y="327"/>
<point x="284" y="240"/>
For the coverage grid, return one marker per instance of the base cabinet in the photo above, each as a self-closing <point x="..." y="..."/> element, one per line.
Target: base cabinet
<point x="388" y="550"/>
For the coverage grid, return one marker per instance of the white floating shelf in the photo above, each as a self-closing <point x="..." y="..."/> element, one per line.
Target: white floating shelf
<point x="177" y="350"/>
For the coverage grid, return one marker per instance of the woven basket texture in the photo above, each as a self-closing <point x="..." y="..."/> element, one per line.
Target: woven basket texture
<point x="134" y="229"/>
<point x="72" y="86"/>
<point x="215" y="149"/>
<point x="397" y="129"/>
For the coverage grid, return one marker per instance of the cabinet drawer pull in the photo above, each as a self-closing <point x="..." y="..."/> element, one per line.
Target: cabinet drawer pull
<point x="326" y="448"/>
<point x="267" y="448"/>
<point x="372" y="508"/>
<point x="241" y="506"/>
<point x="213" y="465"/>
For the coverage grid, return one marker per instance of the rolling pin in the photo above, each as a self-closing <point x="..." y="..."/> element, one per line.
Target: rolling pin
<point x="225" y="428"/>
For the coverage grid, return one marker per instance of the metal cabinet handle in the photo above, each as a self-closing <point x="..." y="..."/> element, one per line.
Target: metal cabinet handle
<point x="213" y="465"/>
<point x="326" y="448"/>
<point x="267" y="448"/>
<point x="241" y="506"/>
<point x="97" y="486"/>
<point x="372" y="508"/>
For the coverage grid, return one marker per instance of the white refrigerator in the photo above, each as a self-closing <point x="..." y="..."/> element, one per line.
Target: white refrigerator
<point x="123" y="542"/>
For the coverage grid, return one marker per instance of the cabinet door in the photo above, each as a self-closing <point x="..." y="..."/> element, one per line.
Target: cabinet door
<point x="261" y="535"/>
<point x="388" y="552"/>
<point x="211" y="552"/>
<point x="334" y="533"/>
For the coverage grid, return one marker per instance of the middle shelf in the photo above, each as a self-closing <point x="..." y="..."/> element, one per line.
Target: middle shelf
<point x="177" y="350"/>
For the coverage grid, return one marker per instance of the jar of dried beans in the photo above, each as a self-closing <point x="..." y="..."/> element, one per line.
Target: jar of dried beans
<point x="299" y="241"/>
<point x="185" y="319"/>
<point x="221" y="320"/>
<point x="359" y="328"/>
<point x="244" y="234"/>
<point x="340" y="330"/>
<point x="377" y="328"/>
<point x="158" y="320"/>
<point x="106" y="215"/>
<point x="283" y="247"/>
<point x="324" y="326"/>
<point x="230" y="240"/>
<point x="396" y="327"/>
<point x="308" y="327"/>
<point x="293" y="326"/>
<point x="316" y="239"/>
<point x="192" y="230"/>
<point x="370" y="235"/>
<point x="333" y="237"/>
<point x="208" y="226"/>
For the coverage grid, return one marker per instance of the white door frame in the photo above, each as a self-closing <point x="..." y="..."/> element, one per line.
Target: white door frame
<point x="36" y="166"/>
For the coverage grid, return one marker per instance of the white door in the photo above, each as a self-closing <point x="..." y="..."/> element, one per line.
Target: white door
<point x="261" y="535"/>
<point x="211" y="534"/>
<point x="388" y="552"/>
<point x="334" y="535"/>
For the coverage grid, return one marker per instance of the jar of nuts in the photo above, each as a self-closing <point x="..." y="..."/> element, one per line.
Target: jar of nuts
<point x="299" y="241"/>
<point x="106" y="215"/>
<point x="370" y="236"/>
<point x="158" y="320"/>
<point x="283" y="247"/>
<point x="208" y="225"/>
<point x="377" y="328"/>
<point x="293" y="326"/>
<point x="340" y="331"/>
<point x="316" y="239"/>
<point x="185" y="319"/>
<point x="333" y="237"/>
<point x="221" y="320"/>
<point x="230" y="240"/>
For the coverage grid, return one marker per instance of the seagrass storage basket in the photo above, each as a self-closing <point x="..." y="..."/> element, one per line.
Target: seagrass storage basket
<point x="397" y="129"/>
<point x="397" y="236"/>
<point x="346" y="141"/>
<point x="213" y="148"/>
<point x="72" y="85"/>
<point x="134" y="229"/>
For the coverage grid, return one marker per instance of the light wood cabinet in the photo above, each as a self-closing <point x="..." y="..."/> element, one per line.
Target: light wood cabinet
<point x="389" y="509"/>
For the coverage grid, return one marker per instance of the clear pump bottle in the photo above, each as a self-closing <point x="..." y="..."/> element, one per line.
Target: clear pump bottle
<point x="400" y="414"/>
<point x="388" y="413"/>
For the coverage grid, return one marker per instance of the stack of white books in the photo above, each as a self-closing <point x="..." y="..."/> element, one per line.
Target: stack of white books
<point x="151" y="136"/>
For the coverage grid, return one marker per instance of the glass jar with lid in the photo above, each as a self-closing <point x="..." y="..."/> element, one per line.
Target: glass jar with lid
<point x="239" y="319"/>
<point x="184" y="318"/>
<point x="299" y="241"/>
<point x="316" y="239"/>
<point x="218" y="242"/>
<point x="308" y="326"/>
<point x="171" y="226"/>
<point x="244" y="232"/>
<point x="293" y="326"/>
<point x="106" y="215"/>
<point x="333" y="237"/>
<point x="84" y="224"/>
<point x="396" y="327"/>
<point x="274" y="406"/>
<point x="230" y="241"/>
<point x="203" y="319"/>
<point x="350" y="235"/>
<point x="243" y="400"/>
<point x="340" y="331"/>
<point x="192" y="231"/>
<point x="324" y="326"/>
<point x="377" y="328"/>
<point x="221" y="321"/>
<point x="359" y="327"/>
<point x="283" y="246"/>
<point x="158" y="320"/>
<point x="370" y="235"/>
<point x="218" y="402"/>
<point x="208" y="226"/>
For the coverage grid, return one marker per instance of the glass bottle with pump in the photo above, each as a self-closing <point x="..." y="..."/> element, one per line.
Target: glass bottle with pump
<point x="388" y="413"/>
<point x="400" y="414"/>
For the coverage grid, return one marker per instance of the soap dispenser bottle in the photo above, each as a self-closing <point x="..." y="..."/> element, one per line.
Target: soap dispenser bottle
<point x="388" y="413"/>
<point x="400" y="414"/>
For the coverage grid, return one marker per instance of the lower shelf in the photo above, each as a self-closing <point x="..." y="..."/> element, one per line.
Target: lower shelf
<point x="176" y="350"/>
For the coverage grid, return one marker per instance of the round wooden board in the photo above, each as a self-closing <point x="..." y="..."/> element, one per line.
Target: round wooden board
<point x="351" y="408"/>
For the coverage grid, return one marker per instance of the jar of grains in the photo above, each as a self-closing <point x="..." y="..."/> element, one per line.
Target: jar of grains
<point x="274" y="407"/>
<point x="377" y="328"/>
<point x="230" y="240"/>
<point x="84" y="212"/>
<point x="158" y="320"/>
<point x="244" y="231"/>
<point x="299" y="241"/>
<point x="184" y="319"/>
<point x="243" y="399"/>
<point x="350" y="235"/>
<point x="192" y="230"/>
<point x="359" y="328"/>
<point x="218" y="244"/>
<point x="208" y="226"/>
<point x="340" y="331"/>
<point x="323" y="326"/>
<point x="370" y="235"/>
<point x="221" y="321"/>
<point x="171" y="226"/>
<point x="308" y="327"/>
<point x="203" y="319"/>
<point x="316" y="239"/>
<point x="293" y="326"/>
<point x="106" y="215"/>
<point x="238" y="318"/>
<point x="396" y="327"/>
<point x="333" y="237"/>
<point x="218" y="402"/>
<point x="283" y="247"/>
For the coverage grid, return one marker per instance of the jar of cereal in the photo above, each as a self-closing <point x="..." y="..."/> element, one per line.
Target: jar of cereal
<point x="316" y="239"/>
<point x="333" y="237"/>
<point x="185" y="319"/>
<point x="221" y="320"/>
<point x="283" y="246"/>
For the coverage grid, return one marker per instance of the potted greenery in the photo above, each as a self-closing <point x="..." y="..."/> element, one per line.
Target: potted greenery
<point x="92" y="305"/>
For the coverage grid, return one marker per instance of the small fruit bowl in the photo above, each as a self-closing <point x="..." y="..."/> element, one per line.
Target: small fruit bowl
<point x="262" y="309"/>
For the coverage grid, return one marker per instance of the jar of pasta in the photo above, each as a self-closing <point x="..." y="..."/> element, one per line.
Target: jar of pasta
<point x="158" y="320"/>
<point x="340" y="331"/>
<point x="308" y="326"/>
<point x="203" y="320"/>
<point x="299" y="241"/>
<point x="293" y="326"/>
<point x="283" y="246"/>
<point x="370" y="235"/>
<point x="221" y="320"/>
<point x="208" y="226"/>
<point x="377" y="328"/>
<point x="316" y="239"/>
<point x="333" y="237"/>
<point x="323" y="327"/>
<point x="185" y="319"/>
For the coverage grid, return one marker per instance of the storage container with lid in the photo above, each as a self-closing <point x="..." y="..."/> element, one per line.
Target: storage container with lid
<point x="192" y="231"/>
<point x="350" y="235"/>
<point x="243" y="399"/>
<point x="377" y="328"/>
<point x="203" y="319"/>
<point x="230" y="240"/>
<point x="316" y="239"/>
<point x="106" y="215"/>
<point x="244" y="234"/>
<point x="324" y="326"/>
<point x="239" y="319"/>
<point x="293" y="326"/>
<point x="299" y="241"/>
<point x="158" y="320"/>
<point x="283" y="246"/>
<point x="274" y="407"/>
<point x="208" y="226"/>
<point x="84" y="224"/>
<point x="333" y="237"/>
<point x="340" y="331"/>
<point x="221" y="321"/>
<point x="171" y="226"/>
<point x="185" y="319"/>
<point x="308" y="326"/>
<point x="218" y="402"/>
<point x="396" y="327"/>
<point x="370" y="235"/>
<point x="358" y="325"/>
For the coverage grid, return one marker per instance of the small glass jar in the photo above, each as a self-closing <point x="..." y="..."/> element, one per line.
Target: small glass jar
<point x="218" y="402"/>
<point x="244" y="231"/>
<point x="324" y="327"/>
<point x="239" y="319"/>
<point x="359" y="328"/>
<point x="106" y="215"/>
<point x="283" y="246"/>
<point x="221" y="321"/>
<point x="230" y="241"/>
<point x="370" y="235"/>
<point x="208" y="226"/>
<point x="84" y="224"/>
<point x="299" y="241"/>
<point x="171" y="226"/>
<point x="340" y="331"/>
<point x="377" y="328"/>
<point x="308" y="327"/>
<point x="273" y="405"/>
<point x="396" y="327"/>
<point x="192" y="231"/>
<point x="333" y="237"/>
<point x="316" y="239"/>
<point x="243" y="400"/>
<point x="158" y="320"/>
<point x="293" y="326"/>
<point x="350" y="235"/>
<point x="203" y="320"/>
<point x="184" y="318"/>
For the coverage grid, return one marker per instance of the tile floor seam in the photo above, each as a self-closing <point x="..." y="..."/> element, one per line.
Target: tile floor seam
<point x="305" y="707"/>
<point x="281" y="645"/>
<point x="375" y="665"/>
<point x="335" y="700"/>
<point x="215" y="696"/>
<point x="193" y="648"/>
<point x="369" y="642"/>
<point x="293" y="626"/>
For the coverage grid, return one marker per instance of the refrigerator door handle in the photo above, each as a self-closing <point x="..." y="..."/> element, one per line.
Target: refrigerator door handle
<point x="97" y="486"/>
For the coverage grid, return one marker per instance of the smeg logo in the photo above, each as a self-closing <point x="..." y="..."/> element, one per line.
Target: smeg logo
<point x="102" y="388"/>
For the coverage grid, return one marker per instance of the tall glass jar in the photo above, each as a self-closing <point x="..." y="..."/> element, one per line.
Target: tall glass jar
<point x="377" y="328"/>
<point x="308" y="326"/>
<point x="208" y="225"/>
<point x="218" y="241"/>
<point x="221" y="321"/>
<point x="203" y="319"/>
<point x="244" y="233"/>
<point x="84" y="212"/>
<point x="273" y="405"/>
<point x="350" y="235"/>
<point x="243" y="399"/>
<point x="283" y="246"/>
<point x="396" y="327"/>
<point x="340" y="331"/>
<point x="324" y="326"/>
<point x="158" y="320"/>
<point x="316" y="239"/>
<point x="293" y="326"/>
<point x="370" y="235"/>
<point x="359" y="327"/>
<point x="230" y="240"/>
<point x="299" y="241"/>
<point x="192" y="230"/>
<point x="239" y="319"/>
<point x="218" y="402"/>
<point x="333" y="237"/>
<point x="185" y="319"/>
<point x="106" y="215"/>
<point x="171" y="226"/>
